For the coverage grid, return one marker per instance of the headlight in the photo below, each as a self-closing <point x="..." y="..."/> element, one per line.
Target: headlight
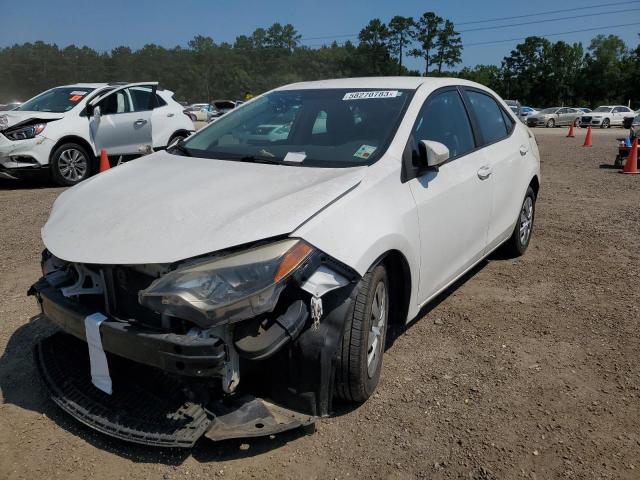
<point x="25" y="132"/>
<point x="229" y="288"/>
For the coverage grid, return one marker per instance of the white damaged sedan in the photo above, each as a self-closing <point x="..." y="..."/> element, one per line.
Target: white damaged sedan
<point x="235" y="284"/>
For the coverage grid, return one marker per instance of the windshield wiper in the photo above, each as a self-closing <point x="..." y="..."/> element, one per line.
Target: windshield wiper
<point x="254" y="159"/>
<point x="181" y="148"/>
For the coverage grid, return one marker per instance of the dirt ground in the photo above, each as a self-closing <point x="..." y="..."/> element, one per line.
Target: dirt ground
<point x="528" y="368"/>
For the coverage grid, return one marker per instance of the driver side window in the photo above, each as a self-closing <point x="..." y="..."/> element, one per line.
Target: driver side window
<point x="444" y="119"/>
<point x="117" y="102"/>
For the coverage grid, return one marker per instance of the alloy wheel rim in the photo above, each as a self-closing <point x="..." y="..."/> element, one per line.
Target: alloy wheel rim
<point x="377" y="325"/>
<point x="72" y="165"/>
<point x="526" y="220"/>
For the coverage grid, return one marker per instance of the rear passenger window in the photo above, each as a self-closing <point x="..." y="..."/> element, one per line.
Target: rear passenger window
<point x="142" y="98"/>
<point x="444" y="119"/>
<point x="490" y="117"/>
<point x="160" y="102"/>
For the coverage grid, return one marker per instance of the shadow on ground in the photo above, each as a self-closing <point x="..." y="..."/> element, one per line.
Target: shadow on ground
<point x="27" y="184"/>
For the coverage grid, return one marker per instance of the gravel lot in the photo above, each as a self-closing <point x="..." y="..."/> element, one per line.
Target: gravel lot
<point x="528" y="368"/>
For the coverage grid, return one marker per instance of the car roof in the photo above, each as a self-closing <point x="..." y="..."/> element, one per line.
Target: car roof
<point x="402" y="83"/>
<point x="86" y="85"/>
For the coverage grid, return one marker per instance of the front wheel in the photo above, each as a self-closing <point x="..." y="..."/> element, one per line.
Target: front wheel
<point x="605" y="123"/>
<point x="70" y="164"/>
<point x="551" y="123"/>
<point x="360" y="360"/>
<point x="521" y="236"/>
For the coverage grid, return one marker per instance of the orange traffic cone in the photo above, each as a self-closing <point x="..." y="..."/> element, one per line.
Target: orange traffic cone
<point x="631" y="166"/>
<point x="104" y="161"/>
<point x="571" y="134"/>
<point x="587" y="140"/>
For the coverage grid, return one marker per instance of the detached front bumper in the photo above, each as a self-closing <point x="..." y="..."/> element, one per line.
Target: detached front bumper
<point x="171" y="384"/>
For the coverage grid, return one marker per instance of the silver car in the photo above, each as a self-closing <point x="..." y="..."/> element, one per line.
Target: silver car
<point x="555" y="117"/>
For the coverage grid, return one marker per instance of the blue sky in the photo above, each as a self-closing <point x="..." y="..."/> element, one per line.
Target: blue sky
<point x="104" y="25"/>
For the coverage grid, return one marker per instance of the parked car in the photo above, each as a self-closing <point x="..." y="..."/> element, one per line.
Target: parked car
<point x="201" y="112"/>
<point x="222" y="107"/>
<point x="628" y="121"/>
<point x="583" y="109"/>
<point x="62" y="130"/>
<point x="607" y="116"/>
<point x="514" y="105"/>
<point x="554" y="117"/>
<point x="526" y="112"/>
<point x="242" y="270"/>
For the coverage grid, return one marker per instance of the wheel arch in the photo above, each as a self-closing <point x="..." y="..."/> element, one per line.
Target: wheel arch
<point x="535" y="185"/>
<point x="74" y="139"/>
<point x="399" y="276"/>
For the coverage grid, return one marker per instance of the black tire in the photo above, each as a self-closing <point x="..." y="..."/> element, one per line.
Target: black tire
<point x="175" y="138"/>
<point x="65" y="171"/>
<point x="551" y="123"/>
<point x="516" y="245"/>
<point x="577" y="122"/>
<point x="605" y="123"/>
<point x="355" y="380"/>
<point x="192" y="117"/>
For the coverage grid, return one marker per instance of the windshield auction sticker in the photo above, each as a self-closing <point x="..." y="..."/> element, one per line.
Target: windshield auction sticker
<point x="370" y="95"/>
<point x="365" y="151"/>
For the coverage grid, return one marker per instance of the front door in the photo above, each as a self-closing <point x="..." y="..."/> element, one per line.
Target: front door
<point x="124" y="124"/>
<point x="454" y="202"/>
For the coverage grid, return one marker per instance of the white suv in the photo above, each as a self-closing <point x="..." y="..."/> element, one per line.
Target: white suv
<point x="63" y="129"/>
<point x="607" y="116"/>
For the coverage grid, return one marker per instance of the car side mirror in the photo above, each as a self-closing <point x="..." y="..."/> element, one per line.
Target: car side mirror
<point x="432" y="153"/>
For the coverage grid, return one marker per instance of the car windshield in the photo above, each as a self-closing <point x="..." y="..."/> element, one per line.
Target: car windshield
<point x="603" y="109"/>
<point x="326" y="128"/>
<point x="57" y="100"/>
<point x="549" y="110"/>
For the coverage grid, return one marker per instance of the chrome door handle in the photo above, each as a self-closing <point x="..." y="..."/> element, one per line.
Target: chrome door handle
<point x="484" y="172"/>
<point x="523" y="150"/>
<point x="140" y="123"/>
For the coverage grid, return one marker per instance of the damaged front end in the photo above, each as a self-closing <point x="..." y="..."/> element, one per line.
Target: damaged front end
<point x="237" y="344"/>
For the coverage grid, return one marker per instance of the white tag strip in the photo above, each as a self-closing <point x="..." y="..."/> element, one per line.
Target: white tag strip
<point x="370" y="95"/>
<point x="97" y="358"/>
<point x="295" y="157"/>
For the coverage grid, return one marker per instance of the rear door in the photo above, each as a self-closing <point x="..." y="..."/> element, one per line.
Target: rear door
<point x="124" y="124"/>
<point x="504" y="147"/>
<point x="454" y="201"/>
<point x="565" y="117"/>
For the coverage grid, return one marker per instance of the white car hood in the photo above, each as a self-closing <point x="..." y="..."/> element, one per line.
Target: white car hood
<point x="163" y="208"/>
<point x="11" y="118"/>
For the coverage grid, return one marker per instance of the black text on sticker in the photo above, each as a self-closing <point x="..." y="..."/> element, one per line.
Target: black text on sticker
<point x="370" y="95"/>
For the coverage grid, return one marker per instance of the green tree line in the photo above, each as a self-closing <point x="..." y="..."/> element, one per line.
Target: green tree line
<point x="537" y="72"/>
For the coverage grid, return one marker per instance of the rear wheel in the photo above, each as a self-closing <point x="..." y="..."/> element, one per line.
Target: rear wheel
<point x="521" y="236"/>
<point x="70" y="164"/>
<point x="362" y="349"/>
<point x="178" y="137"/>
